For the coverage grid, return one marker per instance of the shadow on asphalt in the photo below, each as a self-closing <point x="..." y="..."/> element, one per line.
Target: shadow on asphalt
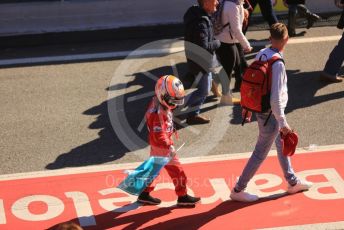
<point x="302" y="88"/>
<point x="108" y="147"/>
<point x="111" y="220"/>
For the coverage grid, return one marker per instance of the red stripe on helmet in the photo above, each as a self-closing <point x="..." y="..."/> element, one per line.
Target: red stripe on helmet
<point x="169" y="86"/>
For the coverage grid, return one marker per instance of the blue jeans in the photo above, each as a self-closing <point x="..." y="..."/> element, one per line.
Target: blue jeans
<point x="195" y="100"/>
<point x="335" y="59"/>
<point x="267" y="136"/>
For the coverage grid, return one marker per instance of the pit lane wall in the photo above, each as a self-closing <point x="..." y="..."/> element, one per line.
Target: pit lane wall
<point x="37" y="17"/>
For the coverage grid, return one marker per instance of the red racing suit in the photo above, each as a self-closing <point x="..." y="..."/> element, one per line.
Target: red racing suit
<point x="161" y="129"/>
<point x="160" y="126"/>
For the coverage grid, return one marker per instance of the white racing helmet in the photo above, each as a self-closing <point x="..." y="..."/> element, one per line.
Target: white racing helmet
<point x="170" y="91"/>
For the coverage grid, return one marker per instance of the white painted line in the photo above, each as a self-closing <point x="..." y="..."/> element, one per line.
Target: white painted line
<point x="141" y="96"/>
<point x="2" y="213"/>
<point x="314" y="39"/>
<point x="138" y="53"/>
<point x="142" y="123"/>
<point x="73" y="57"/>
<point x="123" y="166"/>
<point x="89" y="57"/>
<point x="150" y="75"/>
<point x="293" y="41"/>
<point x="327" y="226"/>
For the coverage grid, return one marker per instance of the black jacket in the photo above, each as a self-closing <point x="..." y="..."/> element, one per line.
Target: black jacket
<point x="295" y="1"/>
<point x="198" y="29"/>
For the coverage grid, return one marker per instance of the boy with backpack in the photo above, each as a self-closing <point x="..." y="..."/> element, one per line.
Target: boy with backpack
<point x="268" y="97"/>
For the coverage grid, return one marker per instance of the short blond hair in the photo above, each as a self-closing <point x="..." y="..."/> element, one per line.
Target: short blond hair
<point x="278" y="31"/>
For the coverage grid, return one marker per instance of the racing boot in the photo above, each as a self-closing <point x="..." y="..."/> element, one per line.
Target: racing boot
<point x="187" y="200"/>
<point x="146" y="198"/>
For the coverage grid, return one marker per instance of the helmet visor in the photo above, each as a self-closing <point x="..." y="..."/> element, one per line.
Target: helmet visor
<point x="176" y="101"/>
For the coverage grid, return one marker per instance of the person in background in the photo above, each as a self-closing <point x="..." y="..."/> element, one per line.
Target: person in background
<point x="199" y="31"/>
<point x="248" y="9"/>
<point x="267" y="11"/>
<point x="299" y="7"/>
<point x="335" y="60"/>
<point x="232" y="41"/>
<point x="243" y="62"/>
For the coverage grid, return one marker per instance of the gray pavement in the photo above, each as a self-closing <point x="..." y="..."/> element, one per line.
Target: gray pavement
<point x="56" y="116"/>
<point x="39" y="17"/>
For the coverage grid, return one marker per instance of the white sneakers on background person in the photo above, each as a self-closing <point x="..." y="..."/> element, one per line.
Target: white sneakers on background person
<point x="243" y="196"/>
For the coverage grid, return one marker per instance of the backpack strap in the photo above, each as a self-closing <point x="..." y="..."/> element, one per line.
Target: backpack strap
<point x="227" y="24"/>
<point x="274" y="59"/>
<point x="244" y="118"/>
<point x="263" y="55"/>
<point x="267" y="119"/>
<point x="218" y="14"/>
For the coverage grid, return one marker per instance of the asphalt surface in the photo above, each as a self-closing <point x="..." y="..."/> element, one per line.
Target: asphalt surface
<point x="128" y="38"/>
<point x="56" y="115"/>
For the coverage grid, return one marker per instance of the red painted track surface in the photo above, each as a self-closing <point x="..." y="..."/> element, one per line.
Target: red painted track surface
<point x="40" y="203"/>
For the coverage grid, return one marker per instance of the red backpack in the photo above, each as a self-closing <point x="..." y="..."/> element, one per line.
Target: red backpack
<point x="256" y="86"/>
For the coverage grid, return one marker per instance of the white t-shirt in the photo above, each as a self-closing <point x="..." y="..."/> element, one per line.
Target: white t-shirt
<point x="279" y="87"/>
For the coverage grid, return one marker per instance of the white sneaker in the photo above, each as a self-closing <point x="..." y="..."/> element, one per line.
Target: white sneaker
<point x="300" y="186"/>
<point x="243" y="196"/>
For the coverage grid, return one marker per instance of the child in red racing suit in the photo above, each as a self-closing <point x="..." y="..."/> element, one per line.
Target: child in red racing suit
<point x="169" y="93"/>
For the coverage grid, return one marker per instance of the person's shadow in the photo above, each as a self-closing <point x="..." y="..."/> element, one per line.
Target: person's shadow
<point x="138" y="92"/>
<point x="107" y="147"/>
<point x="302" y="89"/>
<point x="109" y="220"/>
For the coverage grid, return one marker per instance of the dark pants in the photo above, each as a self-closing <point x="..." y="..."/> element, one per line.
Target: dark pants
<point x="336" y="58"/>
<point x="229" y="58"/>
<point x="295" y="9"/>
<point x="243" y="65"/>
<point x="299" y="8"/>
<point x="266" y="9"/>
